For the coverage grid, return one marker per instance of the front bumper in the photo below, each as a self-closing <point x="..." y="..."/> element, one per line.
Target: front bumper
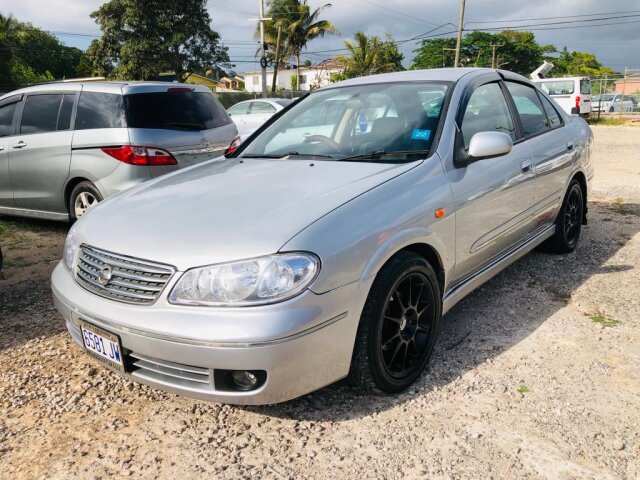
<point x="303" y="344"/>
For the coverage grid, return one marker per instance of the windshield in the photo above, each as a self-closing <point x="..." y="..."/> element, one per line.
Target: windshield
<point x="387" y="123"/>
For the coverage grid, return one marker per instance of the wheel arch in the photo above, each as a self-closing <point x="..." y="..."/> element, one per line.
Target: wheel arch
<point x="71" y="184"/>
<point x="582" y="180"/>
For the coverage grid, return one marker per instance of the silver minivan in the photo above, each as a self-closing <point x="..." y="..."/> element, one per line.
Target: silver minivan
<point x="66" y="146"/>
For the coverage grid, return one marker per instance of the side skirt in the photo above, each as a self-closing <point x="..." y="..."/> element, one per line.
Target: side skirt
<point x="21" y="212"/>
<point x="461" y="290"/>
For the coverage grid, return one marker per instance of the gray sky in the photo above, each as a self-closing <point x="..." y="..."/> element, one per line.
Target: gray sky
<point x="615" y="45"/>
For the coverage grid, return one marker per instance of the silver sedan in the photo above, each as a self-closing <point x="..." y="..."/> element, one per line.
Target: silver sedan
<point x="332" y="243"/>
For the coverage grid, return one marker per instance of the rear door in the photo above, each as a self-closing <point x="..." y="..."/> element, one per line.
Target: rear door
<point x="585" y="96"/>
<point x="8" y="108"/>
<point x="259" y="113"/>
<point x="551" y="147"/>
<point x="40" y="152"/>
<point x="190" y="124"/>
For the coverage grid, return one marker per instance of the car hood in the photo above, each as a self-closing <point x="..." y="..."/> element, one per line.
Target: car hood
<point x="226" y="209"/>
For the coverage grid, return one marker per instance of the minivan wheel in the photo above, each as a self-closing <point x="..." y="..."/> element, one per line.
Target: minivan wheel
<point x="83" y="197"/>
<point x="569" y="221"/>
<point x="398" y="326"/>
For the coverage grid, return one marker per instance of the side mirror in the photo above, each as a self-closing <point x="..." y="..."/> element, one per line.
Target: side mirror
<point x="489" y="144"/>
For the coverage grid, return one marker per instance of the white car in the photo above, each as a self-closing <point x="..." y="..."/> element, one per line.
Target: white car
<point x="612" y="102"/>
<point x="252" y="114"/>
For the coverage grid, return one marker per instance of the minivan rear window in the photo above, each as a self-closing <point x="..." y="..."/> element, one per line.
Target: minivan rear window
<point x="585" y="87"/>
<point x="558" y="87"/>
<point x="175" y="111"/>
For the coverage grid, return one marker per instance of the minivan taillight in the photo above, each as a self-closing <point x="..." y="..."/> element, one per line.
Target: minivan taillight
<point x="578" y="102"/>
<point x="136" y="155"/>
<point x="235" y="143"/>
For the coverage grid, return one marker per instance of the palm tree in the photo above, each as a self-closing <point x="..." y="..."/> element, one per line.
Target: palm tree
<point x="365" y="56"/>
<point x="276" y="33"/>
<point x="304" y="27"/>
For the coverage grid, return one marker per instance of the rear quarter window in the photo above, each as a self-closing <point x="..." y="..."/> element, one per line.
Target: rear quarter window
<point x="100" y="110"/>
<point x="175" y="111"/>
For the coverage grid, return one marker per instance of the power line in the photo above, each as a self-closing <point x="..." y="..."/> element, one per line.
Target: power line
<point x="553" y="18"/>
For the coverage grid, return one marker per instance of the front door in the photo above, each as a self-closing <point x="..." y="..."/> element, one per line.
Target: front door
<point x="7" y="112"/>
<point x="40" y="153"/>
<point x="494" y="197"/>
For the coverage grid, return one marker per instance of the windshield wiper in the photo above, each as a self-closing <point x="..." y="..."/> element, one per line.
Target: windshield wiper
<point x="287" y="155"/>
<point x="381" y="153"/>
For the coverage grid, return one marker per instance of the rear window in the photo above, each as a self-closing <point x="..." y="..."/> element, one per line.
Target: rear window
<point x="585" y="87"/>
<point x="175" y="111"/>
<point x="558" y="87"/>
<point x="100" y="110"/>
<point x="284" y="102"/>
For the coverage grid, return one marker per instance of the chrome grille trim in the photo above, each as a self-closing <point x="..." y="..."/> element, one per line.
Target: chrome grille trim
<point x="196" y="378"/>
<point x="133" y="280"/>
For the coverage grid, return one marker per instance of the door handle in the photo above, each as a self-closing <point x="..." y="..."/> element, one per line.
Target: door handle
<point x="20" y="144"/>
<point x="526" y="167"/>
<point x="1" y="148"/>
<point x="570" y="146"/>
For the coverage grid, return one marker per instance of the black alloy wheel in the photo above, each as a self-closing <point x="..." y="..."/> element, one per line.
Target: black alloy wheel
<point x="398" y="326"/>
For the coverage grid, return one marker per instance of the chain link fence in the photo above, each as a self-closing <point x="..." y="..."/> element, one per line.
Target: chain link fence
<point x="616" y="95"/>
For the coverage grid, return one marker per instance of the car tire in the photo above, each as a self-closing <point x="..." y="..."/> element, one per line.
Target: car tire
<point x="611" y="110"/>
<point x="84" y="196"/>
<point x="396" y="335"/>
<point x="569" y="221"/>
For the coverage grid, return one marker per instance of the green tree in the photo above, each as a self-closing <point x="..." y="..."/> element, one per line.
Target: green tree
<point x="578" y="64"/>
<point x="514" y="50"/>
<point x="29" y="55"/>
<point x="141" y="38"/>
<point x="369" y="55"/>
<point x="276" y="34"/>
<point x="305" y="25"/>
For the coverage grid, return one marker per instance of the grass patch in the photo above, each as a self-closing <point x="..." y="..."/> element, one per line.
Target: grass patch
<point x="605" y="121"/>
<point x="605" y="321"/>
<point x="523" y="389"/>
<point x="618" y="206"/>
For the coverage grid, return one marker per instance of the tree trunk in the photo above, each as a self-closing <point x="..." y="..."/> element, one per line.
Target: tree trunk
<point x="298" y="72"/>
<point x="276" y="64"/>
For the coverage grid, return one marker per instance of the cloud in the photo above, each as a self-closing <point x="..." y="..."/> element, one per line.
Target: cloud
<point x="615" y="45"/>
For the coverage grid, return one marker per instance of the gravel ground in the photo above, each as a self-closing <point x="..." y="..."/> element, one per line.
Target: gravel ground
<point x="536" y="375"/>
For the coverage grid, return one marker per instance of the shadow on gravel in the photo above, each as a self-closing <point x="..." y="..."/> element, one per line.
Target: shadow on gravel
<point x="491" y="320"/>
<point x="29" y="249"/>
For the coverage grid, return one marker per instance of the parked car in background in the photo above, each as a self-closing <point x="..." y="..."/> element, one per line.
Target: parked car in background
<point x="573" y="94"/>
<point x="302" y="259"/>
<point x="66" y="146"/>
<point x="252" y="114"/>
<point x="613" y="102"/>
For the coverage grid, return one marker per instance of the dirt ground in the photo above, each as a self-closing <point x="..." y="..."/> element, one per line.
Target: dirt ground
<point x="535" y="375"/>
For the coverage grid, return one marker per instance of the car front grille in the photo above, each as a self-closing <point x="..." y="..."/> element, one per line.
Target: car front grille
<point x="121" y="278"/>
<point x="170" y="373"/>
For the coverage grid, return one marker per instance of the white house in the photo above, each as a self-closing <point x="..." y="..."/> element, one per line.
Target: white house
<point x="310" y="77"/>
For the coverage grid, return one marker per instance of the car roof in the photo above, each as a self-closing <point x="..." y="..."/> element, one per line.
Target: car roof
<point x="123" y="88"/>
<point x="433" y="74"/>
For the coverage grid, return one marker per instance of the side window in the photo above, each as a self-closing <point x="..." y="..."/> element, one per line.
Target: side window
<point x="259" y="108"/>
<point x="100" y="110"/>
<point x="487" y="111"/>
<point x="6" y="119"/>
<point x="40" y="113"/>
<point x="241" y="109"/>
<point x="552" y="113"/>
<point x="64" y="117"/>
<point x="531" y="112"/>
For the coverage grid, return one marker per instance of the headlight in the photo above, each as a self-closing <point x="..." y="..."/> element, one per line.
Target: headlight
<point x="71" y="245"/>
<point x="257" y="281"/>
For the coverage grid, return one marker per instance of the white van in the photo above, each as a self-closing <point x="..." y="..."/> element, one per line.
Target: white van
<point x="573" y="94"/>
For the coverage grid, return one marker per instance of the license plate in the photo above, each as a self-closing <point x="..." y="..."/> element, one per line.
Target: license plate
<point x="103" y="346"/>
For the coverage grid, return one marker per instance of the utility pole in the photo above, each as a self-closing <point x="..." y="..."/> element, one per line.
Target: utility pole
<point x="460" y="26"/>
<point x="624" y="90"/>
<point x="493" y="55"/>
<point x="263" y="58"/>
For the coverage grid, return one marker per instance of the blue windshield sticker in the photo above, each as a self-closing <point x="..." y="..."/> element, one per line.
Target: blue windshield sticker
<point x="362" y="122"/>
<point x="421" y="135"/>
